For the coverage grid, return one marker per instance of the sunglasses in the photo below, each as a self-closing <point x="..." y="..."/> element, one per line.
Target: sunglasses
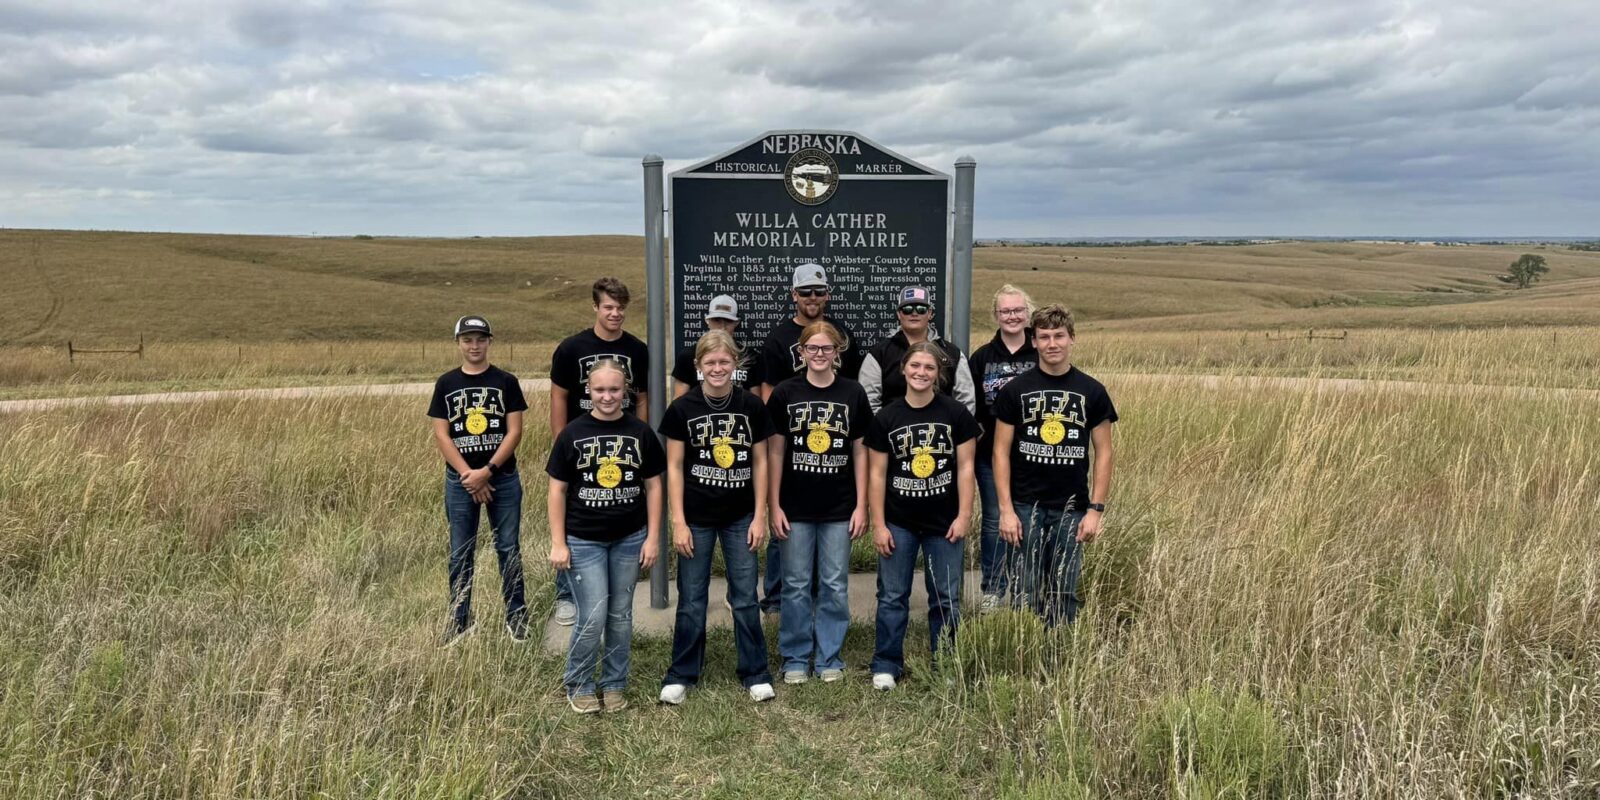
<point x="823" y="292"/>
<point x="918" y="308"/>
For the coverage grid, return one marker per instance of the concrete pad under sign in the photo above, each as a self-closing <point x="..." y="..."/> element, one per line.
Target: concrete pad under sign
<point x="649" y="621"/>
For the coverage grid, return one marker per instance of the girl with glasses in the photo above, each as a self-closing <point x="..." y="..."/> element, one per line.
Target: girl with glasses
<point x="818" y="496"/>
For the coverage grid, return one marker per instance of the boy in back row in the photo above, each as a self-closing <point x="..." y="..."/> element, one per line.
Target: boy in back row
<point x="569" y="392"/>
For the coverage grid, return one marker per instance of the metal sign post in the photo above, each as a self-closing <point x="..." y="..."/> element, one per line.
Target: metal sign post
<point x="655" y="269"/>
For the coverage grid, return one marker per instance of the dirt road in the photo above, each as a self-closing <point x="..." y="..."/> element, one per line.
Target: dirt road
<point x="542" y="385"/>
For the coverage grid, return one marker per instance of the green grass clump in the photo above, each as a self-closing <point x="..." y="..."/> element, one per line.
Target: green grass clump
<point x="1210" y="744"/>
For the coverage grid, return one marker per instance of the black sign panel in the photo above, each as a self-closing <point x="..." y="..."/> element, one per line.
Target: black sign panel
<point x="742" y="221"/>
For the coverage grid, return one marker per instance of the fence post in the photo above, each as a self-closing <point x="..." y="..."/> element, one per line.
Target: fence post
<point x="69" y="351"/>
<point x="141" y="347"/>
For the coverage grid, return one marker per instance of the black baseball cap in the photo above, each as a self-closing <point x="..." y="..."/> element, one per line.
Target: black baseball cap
<point x="473" y="324"/>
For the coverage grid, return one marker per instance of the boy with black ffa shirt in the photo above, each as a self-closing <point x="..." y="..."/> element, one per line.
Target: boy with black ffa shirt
<point x="722" y="314"/>
<point x="569" y="390"/>
<point x="1049" y="422"/>
<point x="578" y="353"/>
<point x="477" y="423"/>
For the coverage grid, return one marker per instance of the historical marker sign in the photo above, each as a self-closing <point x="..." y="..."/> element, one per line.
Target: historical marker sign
<point x="741" y="221"/>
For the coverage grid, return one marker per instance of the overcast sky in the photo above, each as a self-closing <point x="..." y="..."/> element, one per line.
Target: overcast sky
<point x="1162" y="117"/>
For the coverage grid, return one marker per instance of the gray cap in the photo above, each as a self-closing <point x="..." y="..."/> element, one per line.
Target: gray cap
<point x="723" y="307"/>
<point x="809" y="274"/>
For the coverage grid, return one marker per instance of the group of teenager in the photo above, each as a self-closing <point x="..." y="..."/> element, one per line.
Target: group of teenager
<point x="798" y="448"/>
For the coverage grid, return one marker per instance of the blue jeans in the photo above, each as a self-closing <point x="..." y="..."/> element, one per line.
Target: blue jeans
<point x="505" y="522"/>
<point x="815" y="626"/>
<point x="942" y="577"/>
<point x="694" y="581"/>
<point x="563" y="587"/>
<point x="995" y="558"/>
<point x="772" y="588"/>
<point x="1052" y="560"/>
<point x="603" y="576"/>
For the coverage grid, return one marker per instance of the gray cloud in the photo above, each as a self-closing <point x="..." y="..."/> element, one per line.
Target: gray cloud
<point x="1087" y="118"/>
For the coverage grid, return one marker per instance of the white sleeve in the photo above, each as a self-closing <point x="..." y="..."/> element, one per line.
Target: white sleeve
<point x="966" y="394"/>
<point x="871" y="378"/>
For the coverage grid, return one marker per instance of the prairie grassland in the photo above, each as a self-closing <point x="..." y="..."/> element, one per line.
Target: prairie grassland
<point x="1299" y="595"/>
<point x="184" y="366"/>
<point x="109" y="288"/>
<point x="1525" y="356"/>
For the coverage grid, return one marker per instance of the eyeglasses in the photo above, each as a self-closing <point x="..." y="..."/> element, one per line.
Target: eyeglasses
<point x="823" y="292"/>
<point x="1011" y="312"/>
<point x="916" y="308"/>
<point x="818" y="349"/>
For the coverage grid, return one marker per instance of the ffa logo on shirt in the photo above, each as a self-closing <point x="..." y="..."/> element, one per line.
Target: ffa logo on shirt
<point x="608" y="460"/>
<point x="924" y="448"/>
<point x="473" y="413"/>
<point x="821" y="428"/>
<point x="728" y="436"/>
<point x="1052" y="410"/>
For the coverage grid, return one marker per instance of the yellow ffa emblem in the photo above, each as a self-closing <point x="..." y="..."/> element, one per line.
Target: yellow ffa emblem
<point x="922" y="463"/>
<point x="476" y="422"/>
<point x="1052" y="431"/>
<point x="609" y="474"/>
<point x="818" y="441"/>
<point x="723" y="453"/>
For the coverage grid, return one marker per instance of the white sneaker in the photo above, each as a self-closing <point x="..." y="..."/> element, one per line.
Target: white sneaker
<point x="566" y="612"/>
<point x="795" y="676"/>
<point x="762" y="692"/>
<point x="832" y="675"/>
<point x="990" y="603"/>
<point x="673" y="693"/>
<point x="882" y="681"/>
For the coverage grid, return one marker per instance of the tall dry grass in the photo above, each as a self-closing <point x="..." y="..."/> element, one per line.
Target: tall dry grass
<point x="1519" y="356"/>
<point x="1300" y="594"/>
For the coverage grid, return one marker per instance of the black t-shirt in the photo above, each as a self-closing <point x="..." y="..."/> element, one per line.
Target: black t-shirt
<point x="605" y="465"/>
<point x="993" y="366"/>
<point x="1052" y="417"/>
<point x="780" y="353"/>
<point x="819" y="481"/>
<point x="476" y="407"/>
<point x="718" y="467"/>
<point x="577" y="354"/>
<point x="747" y="375"/>
<point x="920" y="489"/>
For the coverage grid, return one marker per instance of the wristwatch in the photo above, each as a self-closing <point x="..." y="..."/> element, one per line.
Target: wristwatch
<point x="1100" y="507"/>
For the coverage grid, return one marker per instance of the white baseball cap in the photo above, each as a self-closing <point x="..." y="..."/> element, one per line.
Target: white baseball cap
<point x="809" y="274"/>
<point x="723" y="307"/>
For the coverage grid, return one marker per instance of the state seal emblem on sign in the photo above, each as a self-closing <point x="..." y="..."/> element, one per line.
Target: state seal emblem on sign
<point x="811" y="176"/>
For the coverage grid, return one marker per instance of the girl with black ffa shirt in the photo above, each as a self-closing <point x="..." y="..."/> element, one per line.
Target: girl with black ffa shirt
<point x="921" y="477"/>
<point x="605" y="525"/>
<point x="818" y="501"/>
<point x="717" y="486"/>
